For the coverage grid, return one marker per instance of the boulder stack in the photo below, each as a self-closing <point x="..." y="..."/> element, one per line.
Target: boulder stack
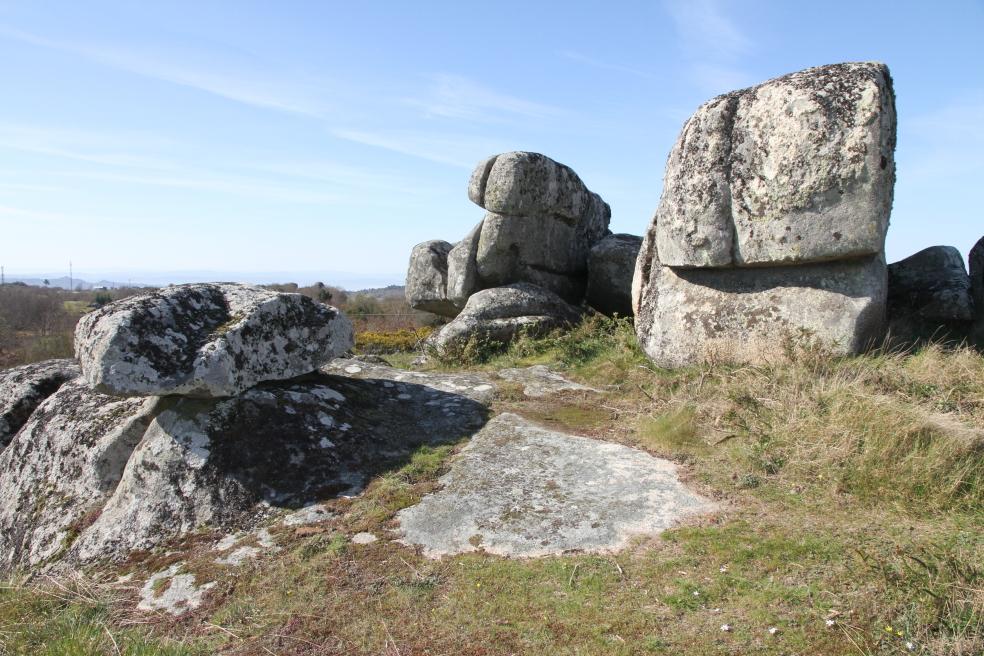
<point x="540" y="227"/>
<point x="775" y="204"/>
<point x="145" y="445"/>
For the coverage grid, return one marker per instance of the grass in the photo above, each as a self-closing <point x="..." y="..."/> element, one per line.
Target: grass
<point x="72" y="620"/>
<point x="850" y="504"/>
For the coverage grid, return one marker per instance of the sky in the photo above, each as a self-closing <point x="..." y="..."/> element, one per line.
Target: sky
<point x="170" y="141"/>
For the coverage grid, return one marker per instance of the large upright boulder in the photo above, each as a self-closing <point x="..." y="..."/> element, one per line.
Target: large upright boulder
<point x="611" y="265"/>
<point x="772" y="222"/>
<point x="427" y="278"/>
<point x="798" y="169"/>
<point x="929" y="295"/>
<point x="206" y="340"/>
<point x="541" y="223"/>
<point x="22" y="389"/>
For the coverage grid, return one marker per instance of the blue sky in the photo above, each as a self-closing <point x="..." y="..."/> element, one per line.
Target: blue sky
<point x="307" y="139"/>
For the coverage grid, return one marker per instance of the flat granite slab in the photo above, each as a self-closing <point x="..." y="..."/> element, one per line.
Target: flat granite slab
<point x="517" y="489"/>
<point x="538" y="381"/>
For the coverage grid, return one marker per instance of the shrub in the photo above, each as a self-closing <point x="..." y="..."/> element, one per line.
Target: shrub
<point x="393" y="341"/>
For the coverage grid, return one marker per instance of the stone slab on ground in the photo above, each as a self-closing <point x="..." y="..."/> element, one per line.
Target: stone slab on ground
<point x="538" y="381"/>
<point x="472" y="386"/>
<point x="521" y="490"/>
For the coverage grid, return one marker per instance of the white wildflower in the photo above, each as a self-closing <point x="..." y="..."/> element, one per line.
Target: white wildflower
<point x="773" y="630"/>
<point x="726" y="628"/>
<point x="830" y="622"/>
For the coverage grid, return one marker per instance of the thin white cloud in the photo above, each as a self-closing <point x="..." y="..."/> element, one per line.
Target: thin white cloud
<point x="209" y="72"/>
<point x="713" y="43"/>
<point x="596" y="63"/>
<point x="458" y="97"/>
<point x="720" y="79"/>
<point x="91" y="146"/>
<point x="704" y="28"/>
<point x="945" y="145"/>
<point x="454" y="150"/>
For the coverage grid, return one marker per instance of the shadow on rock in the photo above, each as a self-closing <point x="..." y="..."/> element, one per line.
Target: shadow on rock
<point x="227" y="462"/>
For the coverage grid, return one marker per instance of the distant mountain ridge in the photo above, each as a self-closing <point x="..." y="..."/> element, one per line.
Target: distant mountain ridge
<point x="65" y="282"/>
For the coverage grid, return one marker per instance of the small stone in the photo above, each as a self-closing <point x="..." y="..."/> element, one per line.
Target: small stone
<point x="363" y="538"/>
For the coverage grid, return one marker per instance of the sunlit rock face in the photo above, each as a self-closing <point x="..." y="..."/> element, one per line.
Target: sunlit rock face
<point x="206" y="340"/>
<point x="777" y="197"/>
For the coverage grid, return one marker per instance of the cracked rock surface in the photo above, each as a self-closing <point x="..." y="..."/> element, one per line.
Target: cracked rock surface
<point x="518" y="489"/>
<point x="92" y="477"/>
<point x="206" y="340"/>
<point x="22" y="389"/>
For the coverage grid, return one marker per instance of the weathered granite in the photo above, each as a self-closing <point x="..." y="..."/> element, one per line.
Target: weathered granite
<point x="685" y="316"/>
<point x="62" y="467"/>
<point x="520" y="490"/>
<point x="797" y="169"/>
<point x="501" y="313"/>
<point x="976" y="260"/>
<point x="611" y="265"/>
<point x="463" y="278"/>
<point x="530" y="184"/>
<point x="230" y="463"/>
<point x="206" y="340"/>
<point x="22" y="389"/>
<point x="427" y="278"/>
<point x="929" y="295"/>
<point x="539" y="381"/>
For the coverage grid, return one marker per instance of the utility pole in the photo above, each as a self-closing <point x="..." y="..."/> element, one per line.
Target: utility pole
<point x="3" y="280"/>
<point x="71" y="282"/>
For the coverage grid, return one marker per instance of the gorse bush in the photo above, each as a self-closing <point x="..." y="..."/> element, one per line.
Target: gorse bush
<point x="393" y="341"/>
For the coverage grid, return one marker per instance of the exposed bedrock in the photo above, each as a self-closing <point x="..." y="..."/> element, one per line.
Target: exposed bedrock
<point x="691" y="315"/>
<point x="93" y="477"/>
<point x="22" y="389"/>
<point x="977" y="290"/>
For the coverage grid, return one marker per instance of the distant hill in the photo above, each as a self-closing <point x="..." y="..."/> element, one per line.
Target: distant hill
<point x="393" y="291"/>
<point x="77" y="283"/>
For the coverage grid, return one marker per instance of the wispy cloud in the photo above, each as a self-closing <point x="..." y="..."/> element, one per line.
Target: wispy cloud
<point x="704" y="28"/>
<point x="721" y="79"/>
<point x="462" y="151"/>
<point x="597" y="63"/>
<point x="212" y="72"/>
<point x="90" y="146"/>
<point x="713" y="43"/>
<point x="458" y="97"/>
<point x="134" y="158"/>
<point x="945" y="144"/>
